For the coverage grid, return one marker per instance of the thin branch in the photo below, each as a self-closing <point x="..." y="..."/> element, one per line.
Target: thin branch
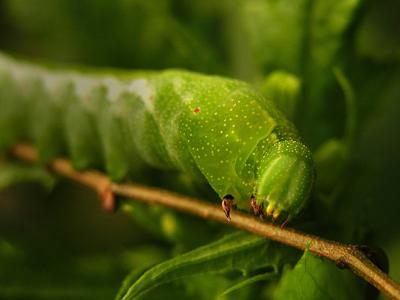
<point x="343" y="255"/>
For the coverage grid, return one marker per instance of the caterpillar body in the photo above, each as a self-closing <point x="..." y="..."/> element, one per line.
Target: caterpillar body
<point x="206" y="126"/>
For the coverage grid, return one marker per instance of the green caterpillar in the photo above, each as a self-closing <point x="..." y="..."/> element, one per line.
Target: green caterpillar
<point x="206" y="126"/>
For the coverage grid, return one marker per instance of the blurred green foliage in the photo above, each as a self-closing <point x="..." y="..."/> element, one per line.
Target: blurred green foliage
<point x="335" y="65"/>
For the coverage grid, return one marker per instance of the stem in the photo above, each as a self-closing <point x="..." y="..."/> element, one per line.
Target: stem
<point x="341" y="254"/>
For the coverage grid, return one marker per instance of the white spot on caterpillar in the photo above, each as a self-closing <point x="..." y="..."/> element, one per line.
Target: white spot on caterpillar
<point x="114" y="88"/>
<point x="83" y="85"/>
<point x="180" y="89"/>
<point x="51" y="81"/>
<point x="142" y="88"/>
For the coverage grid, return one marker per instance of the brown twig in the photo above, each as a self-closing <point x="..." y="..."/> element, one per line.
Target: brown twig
<point x="343" y="255"/>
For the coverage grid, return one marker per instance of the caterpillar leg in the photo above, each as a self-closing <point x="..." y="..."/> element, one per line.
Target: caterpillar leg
<point x="109" y="202"/>
<point x="275" y="213"/>
<point x="272" y="211"/>
<point x="227" y="203"/>
<point x="285" y="222"/>
<point x="257" y="209"/>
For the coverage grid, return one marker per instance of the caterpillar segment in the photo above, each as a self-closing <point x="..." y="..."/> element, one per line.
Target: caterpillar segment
<point x="212" y="128"/>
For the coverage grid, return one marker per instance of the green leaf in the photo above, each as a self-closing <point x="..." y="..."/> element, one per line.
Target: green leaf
<point x="283" y="89"/>
<point x="328" y="22"/>
<point x="330" y="160"/>
<point x="169" y="225"/>
<point x="351" y="107"/>
<point x="265" y="39"/>
<point x="127" y="283"/>
<point x="199" y="287"/>
<point x="249" y="281"/>
<point x="315" y="278"/>
<point x="12" y="173"/>
<point x="393" y="251"/>
<point x="378" y="36"/>
<point x="237" y="252"/>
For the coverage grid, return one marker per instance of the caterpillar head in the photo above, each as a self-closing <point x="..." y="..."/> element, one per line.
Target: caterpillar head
<point x="285" y="178"/>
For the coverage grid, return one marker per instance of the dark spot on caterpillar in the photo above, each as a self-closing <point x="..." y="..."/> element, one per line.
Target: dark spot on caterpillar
<point x="227" y="203"/>
<point x="197" y="110"/>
